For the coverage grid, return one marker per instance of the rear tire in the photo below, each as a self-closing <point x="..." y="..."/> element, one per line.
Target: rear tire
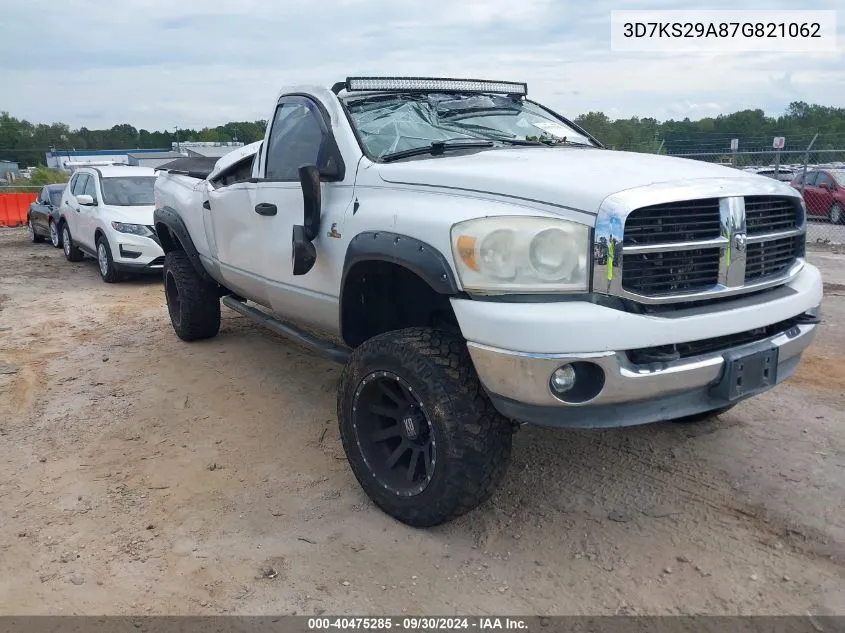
<point x="105" y="262"/>
<point x="704" y="415"/>
<point x="420" y="434"/>
<point x="55" y="235"/>
<point x="72" y="253"/>
<point x="33" y="234"/>
<point x="192" y="302"/>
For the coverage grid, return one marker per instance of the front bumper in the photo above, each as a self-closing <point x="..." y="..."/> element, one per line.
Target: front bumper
<point x="136" y="253"/>
<point x="632" y="394"/>
<point x="555" y="334"/>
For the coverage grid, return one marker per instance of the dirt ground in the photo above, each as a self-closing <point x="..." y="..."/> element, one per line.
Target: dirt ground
<point x="143" y="475"/>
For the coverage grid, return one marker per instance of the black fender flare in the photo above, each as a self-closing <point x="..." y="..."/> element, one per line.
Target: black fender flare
<point x="174" y="226"/>
<point x="422" y="259"/>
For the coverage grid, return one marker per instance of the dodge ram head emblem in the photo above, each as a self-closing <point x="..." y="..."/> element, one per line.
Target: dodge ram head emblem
<point x="739" y="242"/>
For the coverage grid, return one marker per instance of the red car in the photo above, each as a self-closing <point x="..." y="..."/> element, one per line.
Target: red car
<point x="824" y="193"/>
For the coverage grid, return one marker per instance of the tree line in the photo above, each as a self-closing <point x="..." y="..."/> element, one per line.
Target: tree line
<point x="26" y="142"/>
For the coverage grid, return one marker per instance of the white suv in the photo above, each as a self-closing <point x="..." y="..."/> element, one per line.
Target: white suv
<point x="107" y="213"/>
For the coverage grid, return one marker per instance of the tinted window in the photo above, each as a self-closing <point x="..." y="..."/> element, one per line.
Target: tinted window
<point x="824" y="179"/>
<point x="56" y="197"/>
<point x="128" y="191"/>
<point x="44" y="196"/>
<point x="79" y="184"/>
<point x="810" y="178"/>
<point x="839" y="177"/>
<point x="295" y="139"/>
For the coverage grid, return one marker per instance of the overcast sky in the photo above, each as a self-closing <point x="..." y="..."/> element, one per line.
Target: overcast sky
<point x="192" y="63"/>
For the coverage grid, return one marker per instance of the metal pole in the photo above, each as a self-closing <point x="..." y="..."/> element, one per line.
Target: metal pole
<point x="178" y="146"/>
<point x="777" y="164"/>
<point x="662" y="141"/>
<point x="806" y="160"/>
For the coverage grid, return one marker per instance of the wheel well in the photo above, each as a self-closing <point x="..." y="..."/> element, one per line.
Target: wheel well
<point x="381" y="297"/>
<point x="168" y="239"/>
<point x="97" y="234"/>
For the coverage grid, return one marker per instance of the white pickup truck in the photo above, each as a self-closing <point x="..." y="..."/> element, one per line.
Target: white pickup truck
<point x="478" y="262"/>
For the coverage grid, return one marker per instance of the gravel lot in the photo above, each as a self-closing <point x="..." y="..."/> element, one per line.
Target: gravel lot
<point x="140" y="474"/>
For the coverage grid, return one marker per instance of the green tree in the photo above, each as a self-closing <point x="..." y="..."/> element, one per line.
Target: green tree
<point x="45" y="176"/>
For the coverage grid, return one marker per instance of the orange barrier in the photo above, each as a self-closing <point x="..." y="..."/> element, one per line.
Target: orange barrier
<point x="14" y="207"/>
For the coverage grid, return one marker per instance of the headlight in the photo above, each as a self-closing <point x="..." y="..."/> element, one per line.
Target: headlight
<point x="134" y="229"/>
<point x="521" y="254"/>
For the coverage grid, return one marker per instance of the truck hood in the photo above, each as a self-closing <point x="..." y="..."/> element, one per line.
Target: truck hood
<point x="131" y="215"/>
<point x="575" y="178"/>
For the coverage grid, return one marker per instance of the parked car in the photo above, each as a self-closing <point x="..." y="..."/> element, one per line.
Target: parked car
<point x="784" y="174"/>
<point x="824" y="193"/>
<point x="478" y="262"/>
<point x="43" y="216"/>
<point x="107" y="213"/>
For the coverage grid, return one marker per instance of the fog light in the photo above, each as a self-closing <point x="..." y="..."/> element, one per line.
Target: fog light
<point x="563" y="379"/>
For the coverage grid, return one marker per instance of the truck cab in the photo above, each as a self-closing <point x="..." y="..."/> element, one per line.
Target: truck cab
<point x="479" y="262"/>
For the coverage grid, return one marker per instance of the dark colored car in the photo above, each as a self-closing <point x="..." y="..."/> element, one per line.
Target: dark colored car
<point x="43" y="216"/>
<point x="824" y="193"/>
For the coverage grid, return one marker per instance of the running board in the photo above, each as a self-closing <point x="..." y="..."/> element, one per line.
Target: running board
<point x="326" y="348"/>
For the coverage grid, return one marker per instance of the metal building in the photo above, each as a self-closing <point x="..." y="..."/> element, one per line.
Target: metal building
<point x="152" y="159"/>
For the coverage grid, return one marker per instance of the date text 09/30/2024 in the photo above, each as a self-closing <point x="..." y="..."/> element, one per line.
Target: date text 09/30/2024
<point x="418" y="624"/>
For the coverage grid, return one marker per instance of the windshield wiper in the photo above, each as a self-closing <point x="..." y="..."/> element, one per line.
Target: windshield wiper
<point x="563" y="141"/>
<point x="436" y="148"/>
<point x="521" y="142"/>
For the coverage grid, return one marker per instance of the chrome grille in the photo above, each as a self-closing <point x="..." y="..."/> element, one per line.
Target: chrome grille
<point x="770" y="214"/>
<point x="772" y="258"/>
<point x="673" y="222"/>
<point x="695" y="250"/>
<point x="657" y="274"/>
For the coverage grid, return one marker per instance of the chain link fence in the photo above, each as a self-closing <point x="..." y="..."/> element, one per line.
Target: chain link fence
<point x="819" y="174"/>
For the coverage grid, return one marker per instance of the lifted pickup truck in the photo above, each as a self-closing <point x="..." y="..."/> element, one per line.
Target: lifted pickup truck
<point x="477" y="262"/>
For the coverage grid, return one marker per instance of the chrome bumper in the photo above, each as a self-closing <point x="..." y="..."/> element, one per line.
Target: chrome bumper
<point x="518" y="383"/>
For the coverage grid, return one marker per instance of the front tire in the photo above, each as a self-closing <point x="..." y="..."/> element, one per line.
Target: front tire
<point x="193" y="303"/>
<point x="33" y="234"/>
<point x="72" y="253"/>
<point x="105" y="262"/>
<point x="55" y="235"/>
<point x="836" y="215"/>
<point x="420" y="434"/>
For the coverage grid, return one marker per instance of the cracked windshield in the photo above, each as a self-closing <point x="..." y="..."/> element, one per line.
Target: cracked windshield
<point x="389" y="124"/>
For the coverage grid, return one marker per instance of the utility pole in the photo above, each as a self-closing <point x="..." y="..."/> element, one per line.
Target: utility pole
<point x="178" y="146"/>
<point x="806" y="160"/>
<point x="662" y="141"/>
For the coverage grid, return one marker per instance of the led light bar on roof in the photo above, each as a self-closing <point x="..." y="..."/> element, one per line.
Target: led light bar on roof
<point x="432" y="84"/>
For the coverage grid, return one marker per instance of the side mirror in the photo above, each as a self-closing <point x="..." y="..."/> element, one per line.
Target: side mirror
<point x="304" y="253"/>
<point x="85" y="200"/>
